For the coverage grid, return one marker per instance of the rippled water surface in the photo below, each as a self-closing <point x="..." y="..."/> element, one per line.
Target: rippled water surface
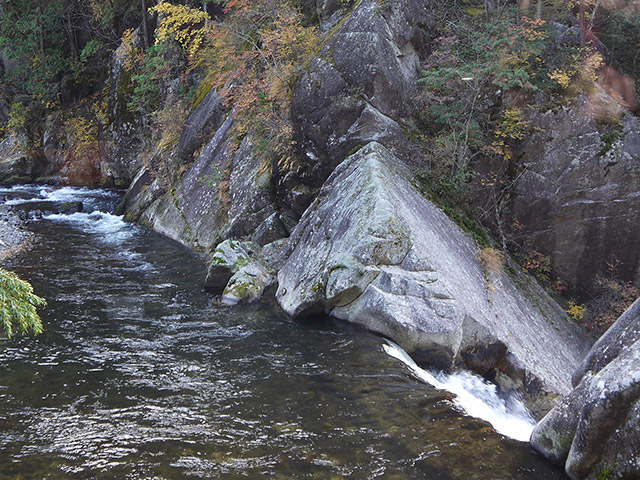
<point x="139" y="375"/>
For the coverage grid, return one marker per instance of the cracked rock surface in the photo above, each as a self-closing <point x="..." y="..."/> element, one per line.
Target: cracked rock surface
<point x="576" y="195"/>
<point x="594" y="430"/>
<point x="373" y="251"/>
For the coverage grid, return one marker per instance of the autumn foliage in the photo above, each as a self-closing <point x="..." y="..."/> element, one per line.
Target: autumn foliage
<point x="253" y="57"/>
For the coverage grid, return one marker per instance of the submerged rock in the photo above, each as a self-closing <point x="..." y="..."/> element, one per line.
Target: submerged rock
<point x="595" y="431"/>
<point x="373" y="251"/>
<point x="44" y="207"/>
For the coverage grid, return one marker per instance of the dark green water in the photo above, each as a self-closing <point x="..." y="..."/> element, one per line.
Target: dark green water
<point x="139" y="375"/>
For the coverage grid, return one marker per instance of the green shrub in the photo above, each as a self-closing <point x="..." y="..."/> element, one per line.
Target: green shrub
<point x="18" y="305"/>
<point x="17" y="117"/>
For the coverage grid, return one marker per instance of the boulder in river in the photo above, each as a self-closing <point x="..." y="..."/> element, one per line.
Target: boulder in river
<point x="45" y="207"/>
<point x="595" y="431"/>
<point x="239" y="272"/>
<point x="373" y="251"/>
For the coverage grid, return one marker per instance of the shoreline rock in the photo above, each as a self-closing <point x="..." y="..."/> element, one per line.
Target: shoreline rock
<point x="14" y="237"/>
<point x="594" y="430"/>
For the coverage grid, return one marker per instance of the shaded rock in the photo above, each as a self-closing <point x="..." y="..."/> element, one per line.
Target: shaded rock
<point x="373" y="251"/>
<point x="125" y="131"/>
<point x="140" y="182"/>
<point x="202" y="122"/>
<point x="596" y="428"/>
<point x="226" y="193"/>
<point x="16" y="165"/>
<point x="331" y="11"/>
<point x="4" y="106"/>
<point x="272" y="229"/>
<point x="575" y="194"/>
<point x="554" y="434"/>
<point x="620" y="336"/>
<point x="359" y="86"/>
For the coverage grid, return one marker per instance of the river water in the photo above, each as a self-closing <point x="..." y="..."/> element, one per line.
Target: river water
<point x="140" y="375"/>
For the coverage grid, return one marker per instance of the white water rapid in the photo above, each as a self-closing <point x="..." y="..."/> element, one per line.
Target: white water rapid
<point x="475" y="396"/>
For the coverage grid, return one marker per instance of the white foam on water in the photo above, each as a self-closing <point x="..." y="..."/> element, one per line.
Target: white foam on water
<point x="54" y="194"/>
<point x="112" y="228"/>
<point x="476" y="397"/>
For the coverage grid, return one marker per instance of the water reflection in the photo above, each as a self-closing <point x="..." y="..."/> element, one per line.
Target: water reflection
<point x="140" y="376"/>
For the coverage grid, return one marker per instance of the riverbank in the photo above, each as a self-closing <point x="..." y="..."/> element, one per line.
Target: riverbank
<point x="14" y="236"/>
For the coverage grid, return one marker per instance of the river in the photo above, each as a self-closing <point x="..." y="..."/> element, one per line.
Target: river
<point x="139" y="374"/>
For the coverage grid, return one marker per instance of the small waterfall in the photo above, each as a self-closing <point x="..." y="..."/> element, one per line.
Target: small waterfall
<point x="475" y="396"/>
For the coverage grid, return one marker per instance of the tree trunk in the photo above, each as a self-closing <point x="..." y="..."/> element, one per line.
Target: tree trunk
<point x="71" y="33"/>
<point x="145" y="24"/>
<point x="583" y="40"/>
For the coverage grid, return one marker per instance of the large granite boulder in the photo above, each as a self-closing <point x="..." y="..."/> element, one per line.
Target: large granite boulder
<point x="595" y="431"/>
<point x="575" y="190"/>
<point x="358" y="87"/>
<point x="373" y="251"/>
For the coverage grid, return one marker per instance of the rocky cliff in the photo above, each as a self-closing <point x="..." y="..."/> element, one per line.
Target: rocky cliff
<point x="573" y="189"/>
<point x="363" y="244"/>
<point x="373" y="251"/>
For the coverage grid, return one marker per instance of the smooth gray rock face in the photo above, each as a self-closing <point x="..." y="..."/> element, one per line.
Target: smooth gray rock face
<point x="574" y="200"/>
<point x="620" y="336"/>
<point x="373" y="251"/>
<point x="359" y="86"/>
<point x="226" y="193"/>
<point x="595" y="431"/>
<point x="205" y="118"/>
